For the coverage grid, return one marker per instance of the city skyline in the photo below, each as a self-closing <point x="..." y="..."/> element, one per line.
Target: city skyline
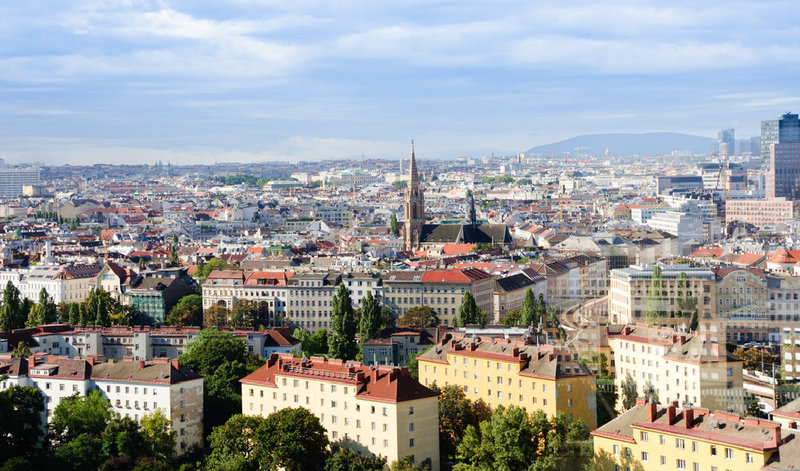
<point x="252" y="81"/>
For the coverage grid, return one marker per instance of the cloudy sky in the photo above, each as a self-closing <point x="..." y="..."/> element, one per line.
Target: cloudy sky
<point x="253" y="80"/>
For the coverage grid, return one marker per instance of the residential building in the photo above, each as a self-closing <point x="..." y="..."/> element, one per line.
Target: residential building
<point x="510" y="290"/>
<point x="742" y="312"/>
<point x="648" y="437"/>
<point x="12" y="179"/>
<point x="762" y="212"/>
<point x="156" y="296"/>
<point x="65" y="283"/>
<point x="511" y="372"/>
<point x="685" y="227"/>
<point x="396" y="346"/>
<point x="382" y="410"/>
<point x="675" y="366"/>
<point x="442" y="290"/>
<point x="311" y="299"/>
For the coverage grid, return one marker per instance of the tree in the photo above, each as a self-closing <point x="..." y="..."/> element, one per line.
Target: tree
<point x="25" y="308"/>
<point x="419" y="317"/>
<point x="21" y="350"/>
<point x="407" y="463"/>
<point x="370" y="322"/>
<point x="158" y="434"/>
<point x="527" y="312"/>
<point x="235" y="444"/>
<point x="123" y="436"/>
<point x="316" y="344"/>
<point x="216" y="317"/>
<point x="759" y="359"/>
<point x="222" y="360"/>
<point x="187" y="312"/>
<point x="74" y="313"/>
<point x="91" y="307"/>
<point x="656" y="297"/>
<point x="296" y="440"/>
<point x="44" y="312"/>
<point x="10" y="310"/>
<point x="541" y="309"/>
<point x="342" y="334"/>
<point x="686" y="303"/>
<point x="456" y="413"/>
<point x="21" y="431"/>
<point x="629" y="393"/>
<point x="214" y="264"/>
<point x="512" y="319"/>
<point x="393" y="226"/>
<point x="81" y="452"/>
<point x="345" y="459"/>
<point x="469" y="313"/>
<point x="249" y="314"/>
<point x="76" y="415"/>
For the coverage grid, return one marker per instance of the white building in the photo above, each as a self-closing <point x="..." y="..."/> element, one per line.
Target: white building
<point x="685" y="227"/>
<point x="12" y="179"/>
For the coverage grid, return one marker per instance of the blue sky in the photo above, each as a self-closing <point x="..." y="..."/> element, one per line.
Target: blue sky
<point x="249" y="80"/>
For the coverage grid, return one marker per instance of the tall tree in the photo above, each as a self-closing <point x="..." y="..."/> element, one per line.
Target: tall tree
<point x="158" y="434"/>
<point x="419" y="317"/>
<point x="629" y="393"/>
<point x="393" y="226"/>
<point x="44" y="312"/>
<point x="345" y="459"/>
<point x="10" y="310"/>
<point x="74" y="313"/>
<point x="76" y="415"/>
<point x="25" y="308"/>
<point x="541" y="309"/>
<point x="456" y="413"/>
<point x="91" y="307"/>
<point x="656" y="297"/>
<point x="187" y="312"/>
<point x="21" y="428"/>
<point x="296" y="441"/>
<point x="370" y="322"/>
<point x="527" y="312"/>
<point x="686" y="302"/>
<point x="245" y="315"/>
<point x="216" y="316"/>
<point x="469" y="313"/>
<point x="342" y="333"/>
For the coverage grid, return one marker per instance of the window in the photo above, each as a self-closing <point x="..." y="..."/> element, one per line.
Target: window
<point x="410" y="411"/>
<point x="748" y="457"/>
<point x="645" y="457"/>
<point x="680" y="464"/>
<point x="616" y="450"/>
<point x="411" y="443"/>
<point x="627" y="452"/>
<point x="728" y="454"/>
<point x="679" y="443"/>
<point x="663" y="460"/>
<point x="411" y="427"/>
<point x="694" y="447"/>
<point x="643" y="436"/>
<point x="713" y="450"/>
<point x="661" y="439"/>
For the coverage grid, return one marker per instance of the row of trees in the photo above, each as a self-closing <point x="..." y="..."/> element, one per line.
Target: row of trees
<point x="84" y="433"/>
<point x="531" y="313"/>
<point x="246" y="314"/>
<point x="16" y="312"/>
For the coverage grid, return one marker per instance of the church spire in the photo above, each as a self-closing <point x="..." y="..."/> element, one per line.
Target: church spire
<point x="413" y="175"/>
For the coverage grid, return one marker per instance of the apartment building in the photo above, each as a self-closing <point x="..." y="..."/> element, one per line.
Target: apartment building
<point x="509" y="292"/>
<point x="382" y="410"/>
<point x="311" y="299"/>
<point x="649" y="437"/>
<point x="784" y="306"/>
<point x="442" y="290"/>
<point x="581" y="276"/>
<point x="508" y="372"/>
<point x="134" y="388"/>
<point x="742" y="312"/>
<point x="138" y="343"/>
<point x="64" y="283"/>
<point x="761" y="213"/>
<point x="676" y="366"/>
<point x="396" y="346"/>
<point x="629" y="287"/>
<point x="226" y="287"/>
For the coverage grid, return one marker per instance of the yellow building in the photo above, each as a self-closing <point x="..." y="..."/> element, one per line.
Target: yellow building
<point x="383" y="410"/>
<point x="676" y="366"/>
<point x="507" y="372"/>
<point x="648" y="437"/>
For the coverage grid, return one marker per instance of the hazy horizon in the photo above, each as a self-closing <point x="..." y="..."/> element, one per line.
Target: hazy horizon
<point x="247" y="80"/>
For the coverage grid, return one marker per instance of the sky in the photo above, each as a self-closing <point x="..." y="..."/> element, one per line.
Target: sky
<point x="202" y="81"/>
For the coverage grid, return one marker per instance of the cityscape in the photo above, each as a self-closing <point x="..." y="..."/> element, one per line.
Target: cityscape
<point x="246" y="236"/>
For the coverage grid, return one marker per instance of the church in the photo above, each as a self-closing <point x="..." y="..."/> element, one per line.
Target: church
<point x="419" y="235"/>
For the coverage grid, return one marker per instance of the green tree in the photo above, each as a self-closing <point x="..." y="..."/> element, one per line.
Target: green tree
<point x="296" y="441"/>
<point x="407" y="463"/>
<point x="469" y="313"/>
<point x="25" y="308"/>
<point x="76" y="415"/>
<point x="21" y="350"/>
<point x="21" y="428"/>
<point x="656" y="297"/>
<point x="316" y="344"/>
<point x="81" y="452"/>
<point x="45" y="311"/>
<point x="187" y="312"/>
<point x="236" y="444"/>
<point x="419" y="317"/>
<point x="74" y="313"/>
<point x="345" y="459"/>
<point x="527" y="312"/>
<point x="92" y="302"/>
<point x="248" y="314"/>
<point x="541" y="309"/>
<point x="10" y="311"/>
<point x="74" y="224"/>
<point x="456" y="413"/>
<point x="123" y="436"/>
<point x="217" y="317"/>
<point x="342" y="334"/>
<point x="222" y="360"/>
<point x="370" y="322"/>
<point x="629" y="393"/>
<point x="213" y="264"/>
<point x="158" y="434"/>
<point x="512" y="319"/>
<point x="393" y="226"/>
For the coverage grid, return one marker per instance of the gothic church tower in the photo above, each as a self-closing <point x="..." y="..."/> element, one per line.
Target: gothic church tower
<point x="414" y="207"/>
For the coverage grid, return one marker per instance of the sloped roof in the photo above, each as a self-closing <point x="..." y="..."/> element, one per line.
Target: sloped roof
<point x="143" y="372"/>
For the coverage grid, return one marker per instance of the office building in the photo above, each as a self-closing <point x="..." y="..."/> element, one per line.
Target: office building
<point x="726" y="142"/>
<point x="12" y="179"/>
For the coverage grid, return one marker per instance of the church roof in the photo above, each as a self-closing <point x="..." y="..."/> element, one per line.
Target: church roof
<point x="465" y="234"/>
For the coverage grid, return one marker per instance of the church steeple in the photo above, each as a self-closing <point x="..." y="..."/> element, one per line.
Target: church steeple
<point x="414" y="205"/>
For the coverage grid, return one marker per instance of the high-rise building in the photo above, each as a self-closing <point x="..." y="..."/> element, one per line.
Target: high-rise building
<point x="726" y="142"/>
<point x="12" y="179"/>
<point x="785" y="129"/>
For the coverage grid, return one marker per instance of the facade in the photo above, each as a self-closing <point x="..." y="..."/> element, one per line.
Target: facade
<point x="509" y="292"/>
<point x="156" y="296"/>
<point x="311" y="299"/>
<point x="396" y="346"/>
<point x="64" y="283"/>
<point x="742" y="312"/>
<point x="442" y="290"/>
<point x="379" y="410"/>
<point x="12" y="179"/>
<point x="762" y="212"/>
<point x="648" y="437"/>
<point x="726" y="139"/>
<point x="507" y="372"/>
<point x="227" y="287"/>
<point x="134" y="389"/>
<point x="675" y="366"/>
<point x="629" y="287"/>
<point x="783" y="176"/>
<point x="684" y="226"/>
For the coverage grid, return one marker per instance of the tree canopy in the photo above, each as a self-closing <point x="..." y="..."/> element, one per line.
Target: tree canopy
<point x="342" y="333"/>
<point x="528" y="313"/>
<point x="370" y="322"/>
<point x="187" y="312"/>
<point x="11" y="315"/>
<point x="469" y="313"/>
<point x="419" y="317"/>
<point x="456" y="413"/>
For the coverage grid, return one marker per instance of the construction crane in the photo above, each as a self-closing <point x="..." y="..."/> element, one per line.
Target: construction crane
<point x="578" y="151"/>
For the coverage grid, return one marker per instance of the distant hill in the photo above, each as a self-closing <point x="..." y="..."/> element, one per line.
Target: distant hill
<point x="622" y="144"/>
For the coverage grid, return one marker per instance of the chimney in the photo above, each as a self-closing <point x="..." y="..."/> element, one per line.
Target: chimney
<point x="776" y="436"/>
<point x="682" y="338"/>
<point x="175" y="364"/>
<point x="652" y="411"/>
<point x="671" y="414"/>
<point x="90" y="360"/>
<point x="141" y="364"/>
<point x="31" y="362"/>
<point x="688" y="418"/>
